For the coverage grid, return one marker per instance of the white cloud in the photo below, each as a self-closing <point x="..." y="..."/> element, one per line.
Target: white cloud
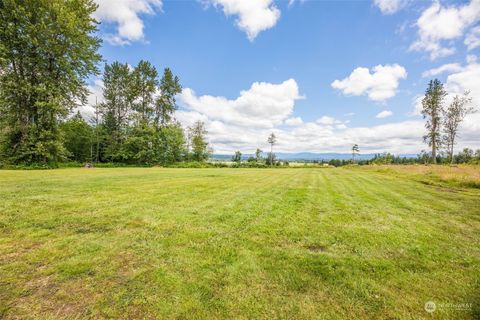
<point x="390" y="6"/>
<point x="438" y="23"/>
<point x="450" y="67"/>
<point x="253" y="16"/>
<point x="294" y="121"/>
<point x="379" y="85"/>
<point x="472" y="40"/>
<point x="328" y="121"/>
<point x="245" y="122"/>
<point x="471" y="58"/>
<point x="384" y="114"/>
<point x="467" y="79"/>
<point x="125" y="14"/>
<point x="264" y="105"/>
<point x="95" y="96"/>
<point x="461" y="79"/>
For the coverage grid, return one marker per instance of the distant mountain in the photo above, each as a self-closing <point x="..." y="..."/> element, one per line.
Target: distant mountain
<point x="308" y="156"/>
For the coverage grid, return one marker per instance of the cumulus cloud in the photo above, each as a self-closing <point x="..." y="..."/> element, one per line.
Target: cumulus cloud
<point x="264" y="105"/>
<point x="384" y="114"/>
<point x="245" y="122"/>
<point x="466" y="79"/>
<point x="95" y="96"/>
<point x="328" y="121"/>
<point x="450" y="67"/>
<point x="294" y="121"/>
<point x="126" y="16"/>
<point x="461" y="79"/>
<point x="438" y="23"/>
<point x="472" y="40"/>
<point x="390" y="6"/>
<point x="253" y="17"/>
<point x="380" y="84"/>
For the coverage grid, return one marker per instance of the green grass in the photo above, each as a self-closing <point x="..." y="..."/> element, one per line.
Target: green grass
<point x="151" y="243"/>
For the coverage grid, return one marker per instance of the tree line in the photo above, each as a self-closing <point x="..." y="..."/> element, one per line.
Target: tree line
<point x="135" y="122"/>
<point x="48" y="49"/>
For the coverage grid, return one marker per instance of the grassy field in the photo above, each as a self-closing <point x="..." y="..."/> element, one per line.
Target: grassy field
<point x="151" y="243"/>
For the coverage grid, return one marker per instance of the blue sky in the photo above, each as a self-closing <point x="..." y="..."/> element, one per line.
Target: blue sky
<point x="322" y="75"/>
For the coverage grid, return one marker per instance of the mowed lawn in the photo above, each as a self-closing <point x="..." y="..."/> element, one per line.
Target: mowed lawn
<point x="314" y="243"/>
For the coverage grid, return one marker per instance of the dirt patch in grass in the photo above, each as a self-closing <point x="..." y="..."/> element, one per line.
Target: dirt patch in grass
<point x="316" y="248"/>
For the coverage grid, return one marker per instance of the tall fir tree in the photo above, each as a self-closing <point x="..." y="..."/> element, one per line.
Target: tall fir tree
<point x="116" y="110"/>
<point x="144" y="85"/>
<point x="166" y="103"/>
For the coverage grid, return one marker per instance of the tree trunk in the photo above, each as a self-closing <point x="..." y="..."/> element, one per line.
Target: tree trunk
<point x="271" y="155"/>
<point x="451" y="153"/>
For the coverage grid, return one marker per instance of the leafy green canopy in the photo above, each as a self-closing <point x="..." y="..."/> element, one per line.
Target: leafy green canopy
<point x="137" y="115"/>
<point x="47" y="50"/>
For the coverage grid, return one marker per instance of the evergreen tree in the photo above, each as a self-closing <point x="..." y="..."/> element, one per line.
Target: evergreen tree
<point x="47" y="50"/>
<point x="355" y="151"/>
<point x="116" y="110"/>
<point x="165" y="104"/>
<point x="145" y="84"/>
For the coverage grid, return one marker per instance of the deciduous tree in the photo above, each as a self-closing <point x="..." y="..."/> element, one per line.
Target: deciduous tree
<point x="47" y="50"/>
<point x="198" y="141"/>
<point x="272" y="140"/>
<point x="78" y="138"/>
<point x="432" y="109"/>
<point x="453" y="115"/>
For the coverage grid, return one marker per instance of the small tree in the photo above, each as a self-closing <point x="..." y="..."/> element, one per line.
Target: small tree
<point x="355" y="151"/>
<point x="452" y="117"/>
<point x="423" y="157"/>
<point x="258" y="155"/>
<point x="432" y="109"/>
<point x="465" y="156"/>
<point x="272" y="139"/>
<point x="237" y="157"/>
<point x="77" y="134"/>
<point x="198" y="140"/>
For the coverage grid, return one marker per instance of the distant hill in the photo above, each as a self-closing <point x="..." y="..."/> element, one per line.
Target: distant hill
<point x="308" y="156"/>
